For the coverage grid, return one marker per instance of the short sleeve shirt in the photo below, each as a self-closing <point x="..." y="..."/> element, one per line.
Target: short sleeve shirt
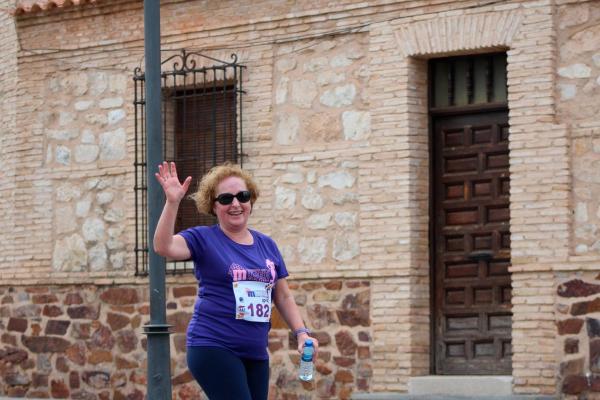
<point x="218" y="262"/>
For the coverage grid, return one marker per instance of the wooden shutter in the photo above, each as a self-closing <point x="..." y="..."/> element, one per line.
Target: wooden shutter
<point x="204" y="137"/>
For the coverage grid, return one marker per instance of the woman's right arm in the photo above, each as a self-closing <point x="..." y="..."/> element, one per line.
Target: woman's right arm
<point x="166" y="243"/>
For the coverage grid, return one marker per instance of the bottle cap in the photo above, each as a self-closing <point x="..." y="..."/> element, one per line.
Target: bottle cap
<point x="308" y="342"/>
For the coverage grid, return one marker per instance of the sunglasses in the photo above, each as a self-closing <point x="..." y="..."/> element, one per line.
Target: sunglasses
<point x="227" y="198"/>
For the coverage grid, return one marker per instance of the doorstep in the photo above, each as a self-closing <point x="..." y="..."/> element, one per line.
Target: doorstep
<point x="404" y="396"/>
<point x="455" y="387"/>
<point x="461" y="385"/>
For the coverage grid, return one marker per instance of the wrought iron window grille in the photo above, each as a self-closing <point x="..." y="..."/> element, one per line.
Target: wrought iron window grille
<point x="201" y="105"/>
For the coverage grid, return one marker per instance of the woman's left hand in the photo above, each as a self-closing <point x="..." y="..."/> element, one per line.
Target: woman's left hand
<point x="302" y="338"/>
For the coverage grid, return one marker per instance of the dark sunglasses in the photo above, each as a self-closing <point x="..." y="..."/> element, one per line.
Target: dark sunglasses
<point x="227" y="198"/>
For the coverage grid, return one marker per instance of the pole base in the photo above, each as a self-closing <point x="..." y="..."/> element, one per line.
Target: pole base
<point x="157" y="329"/>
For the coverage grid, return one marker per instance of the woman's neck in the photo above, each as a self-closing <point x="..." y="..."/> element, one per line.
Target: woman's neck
<point x="242" y="236"/>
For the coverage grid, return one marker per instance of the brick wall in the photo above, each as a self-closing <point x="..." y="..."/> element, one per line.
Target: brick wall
<point x="336" y="133"/>
<point x="8" y="73"/>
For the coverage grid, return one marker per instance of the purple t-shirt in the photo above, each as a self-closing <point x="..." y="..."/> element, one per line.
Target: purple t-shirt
<point x="218" y="261"/>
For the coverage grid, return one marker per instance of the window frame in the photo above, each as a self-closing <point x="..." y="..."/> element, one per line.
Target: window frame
<point x="190" y="76"/>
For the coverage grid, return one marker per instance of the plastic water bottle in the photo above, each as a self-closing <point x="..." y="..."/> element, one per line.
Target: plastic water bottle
<point x="306" y="361"/>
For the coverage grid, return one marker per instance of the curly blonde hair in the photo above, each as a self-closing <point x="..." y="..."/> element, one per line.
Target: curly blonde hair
<point x="206" y="195"/>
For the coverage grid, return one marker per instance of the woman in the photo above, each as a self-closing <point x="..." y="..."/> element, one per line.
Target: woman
<point x="239" y="272"/>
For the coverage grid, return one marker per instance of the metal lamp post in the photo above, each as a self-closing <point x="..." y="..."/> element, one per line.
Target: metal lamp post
<point x="157" y="330"/>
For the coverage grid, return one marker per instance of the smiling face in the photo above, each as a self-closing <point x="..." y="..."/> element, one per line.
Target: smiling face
<point x="232" y="217"/>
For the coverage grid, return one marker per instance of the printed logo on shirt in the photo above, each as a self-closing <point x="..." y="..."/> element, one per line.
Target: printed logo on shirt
<point x="268" y="274"/>
<point x="256" y="293"/>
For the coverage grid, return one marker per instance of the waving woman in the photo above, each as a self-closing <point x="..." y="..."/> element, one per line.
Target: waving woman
<point x="240" y="273"/>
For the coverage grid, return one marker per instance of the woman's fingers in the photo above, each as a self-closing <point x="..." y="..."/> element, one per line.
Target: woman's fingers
<point x="315" y="345"/>
<point x="167" y="170"/>
<point x="186" y="184"/>
<point x="159" y="178"/>
<point x="162" y="171"/>
<point x="173" y="170"/>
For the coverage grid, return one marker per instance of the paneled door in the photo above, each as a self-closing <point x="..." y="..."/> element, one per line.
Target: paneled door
<point x="472" y="284"/>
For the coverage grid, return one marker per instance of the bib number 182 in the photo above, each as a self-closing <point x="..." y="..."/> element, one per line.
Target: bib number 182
<point x="259" y="310"/>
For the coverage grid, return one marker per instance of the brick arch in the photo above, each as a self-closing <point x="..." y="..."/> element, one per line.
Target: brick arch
<point x="464" y="33"/>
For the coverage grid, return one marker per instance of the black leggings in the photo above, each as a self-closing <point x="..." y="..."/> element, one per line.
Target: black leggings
<point x="225" y="376"/>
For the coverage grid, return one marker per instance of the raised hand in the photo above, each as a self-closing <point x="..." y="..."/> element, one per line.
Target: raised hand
<point x="167" y="177"/>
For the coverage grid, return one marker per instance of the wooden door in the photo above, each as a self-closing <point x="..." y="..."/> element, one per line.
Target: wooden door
<point x="472" y="285"/>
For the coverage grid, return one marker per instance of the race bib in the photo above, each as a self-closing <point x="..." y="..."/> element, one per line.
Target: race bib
<point x="252" y="300"/>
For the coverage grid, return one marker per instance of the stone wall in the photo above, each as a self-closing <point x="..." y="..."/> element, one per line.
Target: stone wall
<point x="319" y="98"/>
<point x="86" y="342"/>
<point x="77" y="136"/>
<point x="579" y="335"/>
<point x="338" y="312"/>
<point x="577" y="293"/>
<point x="69" y="342"/>
<point x="579" y="83"/>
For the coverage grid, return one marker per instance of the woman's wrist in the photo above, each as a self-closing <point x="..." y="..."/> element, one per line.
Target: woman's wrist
<point x="173" y="203"/>
<point x="300" y="331"/>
